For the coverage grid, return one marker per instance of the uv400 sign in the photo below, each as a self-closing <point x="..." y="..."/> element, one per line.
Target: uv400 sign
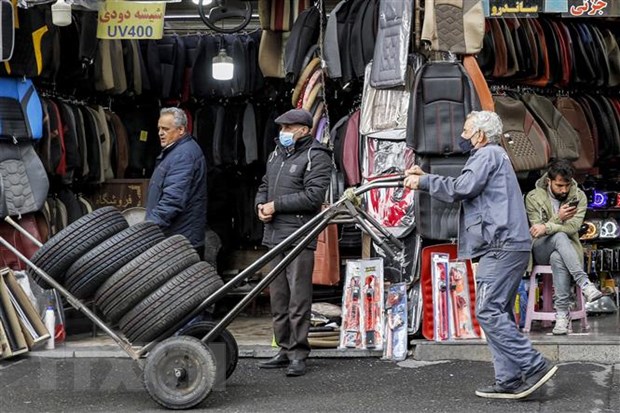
<point x="130" y="20"/>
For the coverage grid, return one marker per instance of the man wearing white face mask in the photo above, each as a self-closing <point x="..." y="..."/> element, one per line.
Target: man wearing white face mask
<point x="291" y="193"/>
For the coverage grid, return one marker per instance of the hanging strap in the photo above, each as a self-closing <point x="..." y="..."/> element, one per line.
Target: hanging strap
<point x="480" y="84"/>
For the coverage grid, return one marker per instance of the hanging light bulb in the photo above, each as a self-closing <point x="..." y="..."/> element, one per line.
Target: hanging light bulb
<point x="204" y="2"/>
<point x="223" y="66"/>
<point x="61" y="13"/>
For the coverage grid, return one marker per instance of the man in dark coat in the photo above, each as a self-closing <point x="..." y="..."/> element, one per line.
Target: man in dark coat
<point x="291" y="193"/>
<point x="177" y="196"/>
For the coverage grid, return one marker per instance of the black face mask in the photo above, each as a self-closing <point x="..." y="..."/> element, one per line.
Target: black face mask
<point x="465" y="145"/>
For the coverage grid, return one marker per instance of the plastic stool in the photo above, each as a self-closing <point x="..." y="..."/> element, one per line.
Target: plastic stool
<point x="547" y="314"/>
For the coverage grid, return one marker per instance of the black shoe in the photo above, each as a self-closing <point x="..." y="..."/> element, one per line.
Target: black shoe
<point x="498" y="392"/>
<point x="536" y="380"/>
<point x="277" y="362"/>
<point x="296" y="368"/>
<point x="531" y="384"/>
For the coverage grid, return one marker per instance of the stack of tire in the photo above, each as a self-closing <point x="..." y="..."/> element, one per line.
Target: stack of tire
<point x="140" y="280"/>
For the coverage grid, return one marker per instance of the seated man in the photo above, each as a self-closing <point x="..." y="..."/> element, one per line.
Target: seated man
<point x="556" y="208"/>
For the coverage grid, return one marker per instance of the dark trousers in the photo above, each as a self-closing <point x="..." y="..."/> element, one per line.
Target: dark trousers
<point x="291" y="300"/>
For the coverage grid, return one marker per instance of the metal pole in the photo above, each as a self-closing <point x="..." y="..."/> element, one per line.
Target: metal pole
<point x="74" y="301"/>
<point x="380" y="242"/>
<point x="23" y="231"/>
<point x="398" y="243"/>
<point x="267" y="257"/>
<point x="264" y="282"/>
<point x="36" y="242"/>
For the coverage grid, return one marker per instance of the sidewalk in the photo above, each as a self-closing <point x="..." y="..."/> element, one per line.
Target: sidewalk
<point x="601" y="344"/>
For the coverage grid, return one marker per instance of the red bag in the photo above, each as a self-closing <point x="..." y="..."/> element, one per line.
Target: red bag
<point x="327" y="257"/>
<point x="19" y="241"/>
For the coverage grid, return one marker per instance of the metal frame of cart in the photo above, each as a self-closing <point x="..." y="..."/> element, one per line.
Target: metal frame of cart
<point x="179" y="371"/>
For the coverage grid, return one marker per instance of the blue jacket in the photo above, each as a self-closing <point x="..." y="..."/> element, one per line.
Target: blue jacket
<point x="177" y="196"/>
<point x="492" y="213"/>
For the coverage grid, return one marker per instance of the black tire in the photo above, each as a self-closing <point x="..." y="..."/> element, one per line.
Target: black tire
<point x="64" y="248"/>
<point x="93" y="268"/>
<point x="170" y="303"/>
<point x="201" y="328"/>
<point x="184" y="355"/>
<point x="143" y="275"/>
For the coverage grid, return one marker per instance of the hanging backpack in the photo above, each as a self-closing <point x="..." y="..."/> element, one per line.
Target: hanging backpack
<point x="438" y="220"/>
<point x="21" y="113"/>
<point x="442" y="97"/>
<point x="574" y="114"/>
<point x="7" y="27"/>
<point x="23" y="181"/>
<point x="522" y="138"/>
<point x="34" y="43"/>
<point x="454" y="25"/>
<point x="562" y="138"/>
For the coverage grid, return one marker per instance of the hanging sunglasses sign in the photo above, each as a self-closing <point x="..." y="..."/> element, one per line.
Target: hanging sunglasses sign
<point x="131" y="20"/>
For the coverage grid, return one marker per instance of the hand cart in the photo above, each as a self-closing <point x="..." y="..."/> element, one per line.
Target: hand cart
<point x="179" y="372"/>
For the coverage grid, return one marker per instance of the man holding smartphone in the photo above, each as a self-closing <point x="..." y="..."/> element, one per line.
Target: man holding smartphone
<point x="556" y="209"/>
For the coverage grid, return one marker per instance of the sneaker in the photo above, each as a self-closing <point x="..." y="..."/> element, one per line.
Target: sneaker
<point x="531" y="384"/>
<point x="562" y="323"/>
<point x="536" y="380"/>
<point x="591" y="292"/>
<point x="497" y="392"/>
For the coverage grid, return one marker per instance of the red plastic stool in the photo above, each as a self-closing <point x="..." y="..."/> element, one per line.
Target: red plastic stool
<point x="547" y="313"/>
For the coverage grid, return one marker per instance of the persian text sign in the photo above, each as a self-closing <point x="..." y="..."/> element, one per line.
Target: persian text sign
<point x="592" y="8"/>
<point x="523" y="8"/>
<point x="131" y="20"/>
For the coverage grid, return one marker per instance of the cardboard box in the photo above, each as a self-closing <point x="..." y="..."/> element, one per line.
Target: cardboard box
<point x="27" y="309"/>
<point x="21" y="346"/>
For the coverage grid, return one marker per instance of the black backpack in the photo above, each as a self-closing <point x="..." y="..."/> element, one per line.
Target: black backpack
<point x="442" y="97"/>
<point x="7" y="26"/>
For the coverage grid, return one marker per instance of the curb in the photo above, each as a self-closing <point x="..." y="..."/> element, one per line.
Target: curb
<point x="68" y="351"/>
<point x="607" y="352"/>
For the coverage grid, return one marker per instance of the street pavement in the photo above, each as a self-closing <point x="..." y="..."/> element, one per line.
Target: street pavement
<point x="331" y="385"/>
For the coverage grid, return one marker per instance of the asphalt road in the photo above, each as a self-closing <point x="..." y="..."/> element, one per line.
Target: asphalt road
<point x="331" y="385"/>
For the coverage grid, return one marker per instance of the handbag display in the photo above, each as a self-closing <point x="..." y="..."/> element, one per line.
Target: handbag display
<point x="327" y="257"/>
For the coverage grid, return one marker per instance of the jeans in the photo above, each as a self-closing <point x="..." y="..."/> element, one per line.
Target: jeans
<point x="558" y="251"/>
<point x="497" y="279"/>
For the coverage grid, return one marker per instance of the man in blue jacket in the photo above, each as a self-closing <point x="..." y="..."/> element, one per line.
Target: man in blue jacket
<point x="177" y="196"/>
<point x="291" y="193"/>
<point x="493" y="228"/>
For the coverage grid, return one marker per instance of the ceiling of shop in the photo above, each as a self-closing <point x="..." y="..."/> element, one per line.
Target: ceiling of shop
<point x="183" y="16"/>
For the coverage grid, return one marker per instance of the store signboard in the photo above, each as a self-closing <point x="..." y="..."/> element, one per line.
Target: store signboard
<point x="520" y="8"/>
<point x="556" y="6"/>
<point x="592" y="8"/>
<point x="131" y="20"/>
<point x="568" y="8"/>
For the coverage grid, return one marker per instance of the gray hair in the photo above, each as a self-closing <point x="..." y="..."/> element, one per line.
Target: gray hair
<point x="180" y="118"/>
<point x="487" y="122"/>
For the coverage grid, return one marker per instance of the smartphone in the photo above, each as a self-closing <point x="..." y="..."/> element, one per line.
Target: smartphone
<point x="573" y="203"/>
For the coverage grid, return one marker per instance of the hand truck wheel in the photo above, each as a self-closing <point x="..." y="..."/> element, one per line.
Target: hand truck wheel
<point x="202" y="328"/>
<point x="179" y="373"/>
